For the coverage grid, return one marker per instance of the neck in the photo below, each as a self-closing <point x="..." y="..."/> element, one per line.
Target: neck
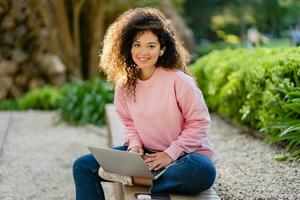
<point x="145" y="74"/>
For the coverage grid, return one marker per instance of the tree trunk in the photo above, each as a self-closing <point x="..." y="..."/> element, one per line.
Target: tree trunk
<point x="77" y="5"/>
<point x="77" y="44"/>
<point x="97" y="38"/>
<point x="92" y="29"/>
<point x="60" y="39"/>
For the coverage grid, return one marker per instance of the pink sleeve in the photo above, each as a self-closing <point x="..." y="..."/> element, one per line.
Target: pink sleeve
<point x="132" y="137"/>
<point x="196" y="119"/>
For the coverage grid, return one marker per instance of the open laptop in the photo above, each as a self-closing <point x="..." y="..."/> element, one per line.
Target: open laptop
<point x="124" y="162"/>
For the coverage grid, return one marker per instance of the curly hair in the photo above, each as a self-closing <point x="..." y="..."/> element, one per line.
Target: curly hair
<point x="116" y="59"/>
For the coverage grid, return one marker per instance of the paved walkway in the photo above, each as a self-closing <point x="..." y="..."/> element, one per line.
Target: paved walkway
<point x="38" y="153"/>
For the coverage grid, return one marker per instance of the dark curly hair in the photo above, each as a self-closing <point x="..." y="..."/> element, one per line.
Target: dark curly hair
<point x="116" y="59"/>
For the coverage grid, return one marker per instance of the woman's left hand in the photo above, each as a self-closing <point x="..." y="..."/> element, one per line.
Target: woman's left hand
<point x="158" y="160"/>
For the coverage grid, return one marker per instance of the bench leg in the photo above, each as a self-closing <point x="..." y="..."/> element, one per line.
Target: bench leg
<point x="119" y="191"/>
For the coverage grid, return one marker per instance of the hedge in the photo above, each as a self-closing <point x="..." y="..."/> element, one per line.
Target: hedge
<point x="258" y="88"/>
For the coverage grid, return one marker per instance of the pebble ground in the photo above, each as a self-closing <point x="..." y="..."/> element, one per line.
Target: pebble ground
<point x="38" y="154"/>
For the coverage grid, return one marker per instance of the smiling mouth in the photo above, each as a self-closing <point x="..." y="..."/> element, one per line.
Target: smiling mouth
<point x="143" y="59"/>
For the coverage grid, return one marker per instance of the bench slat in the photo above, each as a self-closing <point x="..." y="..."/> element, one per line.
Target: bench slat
<point x="116" y="135"/>
<point x="115" y="126"/>
<point x="206" y="195"/>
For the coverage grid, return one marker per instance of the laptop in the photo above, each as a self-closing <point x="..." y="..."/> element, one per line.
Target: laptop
<point x="124" y="162"/>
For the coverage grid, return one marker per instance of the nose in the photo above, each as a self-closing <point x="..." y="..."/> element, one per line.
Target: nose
<point x="144" y="51"/>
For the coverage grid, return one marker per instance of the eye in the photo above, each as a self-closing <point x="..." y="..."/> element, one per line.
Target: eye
<point x="136" y="45"/>
<point x="151" y="46"/>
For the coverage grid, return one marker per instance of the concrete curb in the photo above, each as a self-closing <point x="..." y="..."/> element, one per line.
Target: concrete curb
<point x="5" y="119"/>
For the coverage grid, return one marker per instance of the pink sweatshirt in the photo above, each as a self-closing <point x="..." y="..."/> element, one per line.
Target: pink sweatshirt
<point x="169" y="115"/>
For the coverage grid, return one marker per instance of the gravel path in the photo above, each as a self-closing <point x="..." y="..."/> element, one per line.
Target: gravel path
<point x="246" y="169"/>
<point x="37" y="157"/>
<point x="38" y="154"/>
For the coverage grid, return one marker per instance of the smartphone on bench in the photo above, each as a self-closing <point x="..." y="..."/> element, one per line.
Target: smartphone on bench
<point x="144" y="196"/>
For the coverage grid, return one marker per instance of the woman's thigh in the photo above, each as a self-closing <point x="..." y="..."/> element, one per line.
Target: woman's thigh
<point x="191" y="174"/>
<point x="121" y="148"/>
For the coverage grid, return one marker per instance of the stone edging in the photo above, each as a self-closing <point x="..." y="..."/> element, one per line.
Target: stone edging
<point x="5" y="119"/>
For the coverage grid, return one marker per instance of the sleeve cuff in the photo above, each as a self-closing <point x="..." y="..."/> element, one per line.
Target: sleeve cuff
<point x="174" y="151"/>
<point x="133" y="143"/>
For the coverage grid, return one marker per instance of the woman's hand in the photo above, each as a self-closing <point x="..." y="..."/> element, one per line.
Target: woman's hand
<point x="158" y="160"/>
<point x="137" y="149"/>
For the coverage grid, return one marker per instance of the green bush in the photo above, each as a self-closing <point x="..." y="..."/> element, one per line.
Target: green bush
<point x="45" y="98"/>
<point x="9" y="105"/>
<point x="249" y="85"/>
<point x="84" y="102"/>
<point x="289" y="126"/>
<point x="78" y="103"/>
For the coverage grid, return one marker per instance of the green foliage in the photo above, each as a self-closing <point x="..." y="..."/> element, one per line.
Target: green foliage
<point x="255" y="88"/>
<point x="289" y="126"/>
<point x="281" y="158"/>
<point x="9" y="105"/>
<point x="84" y="102"/>
<point x="207" y="17"/>
<point x="275" y="43"/>
<point x="45" y="98"/>
<point x="78" y="103"/>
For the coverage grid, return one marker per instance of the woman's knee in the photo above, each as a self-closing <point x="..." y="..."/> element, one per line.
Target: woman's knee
<point x="85" y="163"/>
<point x="202" y="173"/>
<point x="191" y="174"/>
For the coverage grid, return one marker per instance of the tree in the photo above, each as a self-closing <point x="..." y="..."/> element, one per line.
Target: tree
<point x="76" y="28"/>
<point x="272" y="17"/>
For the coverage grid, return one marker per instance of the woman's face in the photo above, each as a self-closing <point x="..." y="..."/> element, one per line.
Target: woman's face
<point x="145" y="50"/>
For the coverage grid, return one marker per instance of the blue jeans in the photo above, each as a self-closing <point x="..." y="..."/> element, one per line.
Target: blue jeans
<point x="191" y="174"/>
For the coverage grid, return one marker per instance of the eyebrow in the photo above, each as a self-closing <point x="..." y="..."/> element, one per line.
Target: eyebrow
<point x="147" y="43"/>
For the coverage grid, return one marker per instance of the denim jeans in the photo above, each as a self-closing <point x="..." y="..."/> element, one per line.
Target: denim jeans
<point x="191" y="174"/>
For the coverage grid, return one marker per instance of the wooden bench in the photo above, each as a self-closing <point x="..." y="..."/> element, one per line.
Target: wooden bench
<point x="116" y="132"/>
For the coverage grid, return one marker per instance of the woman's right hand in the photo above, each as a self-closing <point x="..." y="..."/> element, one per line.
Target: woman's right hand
<point x="137" y="149"/>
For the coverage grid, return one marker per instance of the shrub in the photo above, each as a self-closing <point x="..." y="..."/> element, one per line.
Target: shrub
<point x="45" y="98"/>
<point x="248" y="85"/>
<point x="84" y="102"/>
<point x="78" y="103"/>
<point x="10" y="104"/>
<point x="289" y="126"/>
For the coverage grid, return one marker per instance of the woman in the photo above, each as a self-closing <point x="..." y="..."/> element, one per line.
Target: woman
<point x="159" y="103"/>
